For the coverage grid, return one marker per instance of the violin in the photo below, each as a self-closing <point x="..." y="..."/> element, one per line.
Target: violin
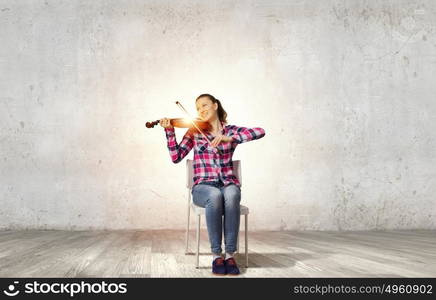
<point x="182" y="123"/>
<point x="191" y="123"/>
<point x="187" y="123"/>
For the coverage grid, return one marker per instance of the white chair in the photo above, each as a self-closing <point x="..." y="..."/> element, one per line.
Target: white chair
<point x="198" y="211"/>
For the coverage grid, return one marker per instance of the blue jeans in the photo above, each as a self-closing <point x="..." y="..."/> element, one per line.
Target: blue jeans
<point x="220" y="200"/>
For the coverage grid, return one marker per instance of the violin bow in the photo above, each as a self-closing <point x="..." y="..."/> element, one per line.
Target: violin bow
<point x="195" y="125"/>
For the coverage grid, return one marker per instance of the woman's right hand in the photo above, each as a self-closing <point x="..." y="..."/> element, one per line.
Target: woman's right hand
<point x="165" y="123"/>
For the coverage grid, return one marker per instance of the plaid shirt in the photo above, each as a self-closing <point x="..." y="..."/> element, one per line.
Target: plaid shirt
<point x="209" y="165"/>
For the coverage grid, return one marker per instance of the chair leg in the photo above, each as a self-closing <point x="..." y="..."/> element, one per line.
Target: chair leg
<point x="246" y="241"/>
<point x="187" y="224"/>
<point x="198" y="241"/>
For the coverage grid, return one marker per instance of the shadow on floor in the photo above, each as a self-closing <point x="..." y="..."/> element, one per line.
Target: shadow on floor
<point x="265" y="260"/>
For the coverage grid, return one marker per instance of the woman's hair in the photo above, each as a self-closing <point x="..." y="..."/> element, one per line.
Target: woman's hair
<point x="222" y="115"/>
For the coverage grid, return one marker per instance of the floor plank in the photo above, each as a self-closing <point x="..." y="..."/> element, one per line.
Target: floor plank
<point x="161" y="253"/>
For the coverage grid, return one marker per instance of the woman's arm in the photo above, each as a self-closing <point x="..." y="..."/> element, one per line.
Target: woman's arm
<point x="178" y="151"/>
<point x="244" y="134"/>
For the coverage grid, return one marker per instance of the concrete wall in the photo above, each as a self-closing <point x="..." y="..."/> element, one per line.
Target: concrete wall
<point x="344" y="89"/>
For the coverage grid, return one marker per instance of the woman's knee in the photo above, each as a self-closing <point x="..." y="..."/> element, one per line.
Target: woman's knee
<point x="208" y="196"/>
<point x="232" y="196"/>
<point x="215" y="199"/>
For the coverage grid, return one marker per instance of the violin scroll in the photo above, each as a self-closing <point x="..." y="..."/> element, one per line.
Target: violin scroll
<point x="151" y="124"/>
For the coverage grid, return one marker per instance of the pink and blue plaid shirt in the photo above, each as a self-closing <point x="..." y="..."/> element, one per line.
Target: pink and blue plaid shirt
<point x="208" y="164"/>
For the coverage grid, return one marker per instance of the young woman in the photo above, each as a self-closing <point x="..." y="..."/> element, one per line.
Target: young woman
<point x="215" y="186"/>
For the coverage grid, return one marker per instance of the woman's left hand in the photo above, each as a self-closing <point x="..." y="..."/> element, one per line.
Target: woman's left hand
<point x="220" y="139"/>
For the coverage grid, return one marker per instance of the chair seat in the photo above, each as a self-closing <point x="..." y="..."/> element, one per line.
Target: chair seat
<point x="198" y="210"/>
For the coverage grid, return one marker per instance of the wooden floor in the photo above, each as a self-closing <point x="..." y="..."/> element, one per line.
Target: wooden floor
<point x="160" y="253"/>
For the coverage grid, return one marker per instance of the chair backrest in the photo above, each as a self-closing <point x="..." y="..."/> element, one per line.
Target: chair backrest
<point x="190" y="172"/>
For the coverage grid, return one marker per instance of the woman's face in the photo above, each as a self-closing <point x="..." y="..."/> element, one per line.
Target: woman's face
<point x="207" y="110"/>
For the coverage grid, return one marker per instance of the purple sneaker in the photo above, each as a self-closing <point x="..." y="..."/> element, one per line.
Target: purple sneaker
<point x="219" y="266"/>
<point x="231" y="267"/>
